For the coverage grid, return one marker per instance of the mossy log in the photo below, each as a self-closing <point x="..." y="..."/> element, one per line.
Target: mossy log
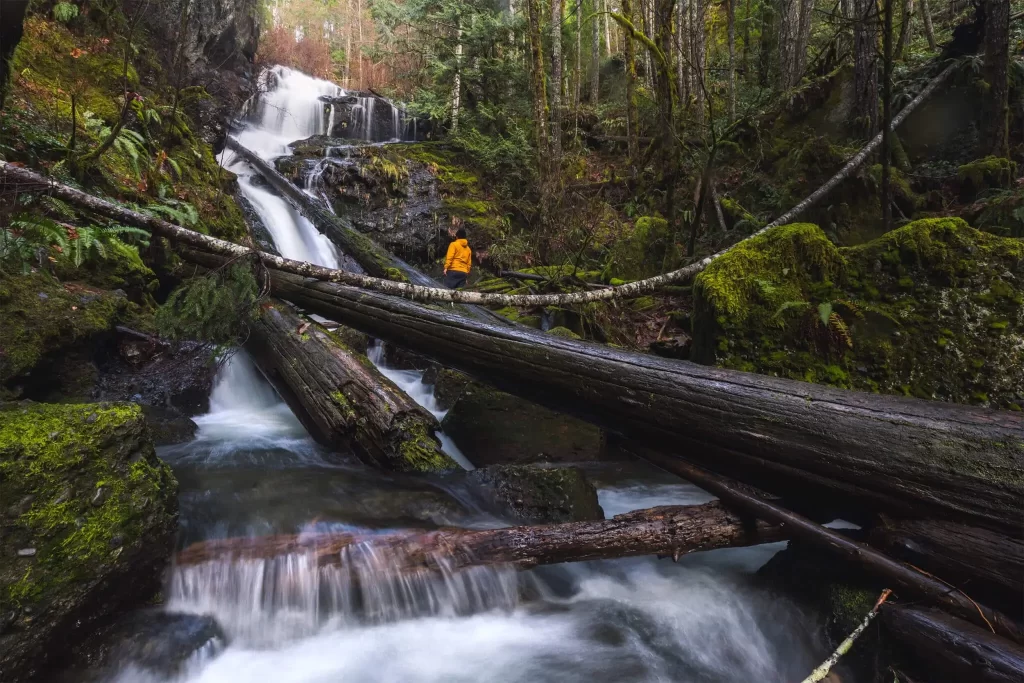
<point x="340" y="397"/>
<point x="364" y="251"/>
<point x="862" y="451"/>
<point x="670" y="531"/>
<point x="949" y="649"/>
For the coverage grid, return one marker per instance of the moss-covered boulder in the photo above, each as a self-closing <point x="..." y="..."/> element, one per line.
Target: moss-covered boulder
<point x="491" y="428"/>
<point x="934" y="309"/>
<point x="532" y="494"/>
<point x="646" y="250"/>
<point x="88" y="519"/>
<point x="985" y="174"/>
<point x="40" y="316"/>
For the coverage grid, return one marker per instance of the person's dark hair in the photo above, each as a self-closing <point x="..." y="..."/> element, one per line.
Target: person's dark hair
<point x="460" y="234"/>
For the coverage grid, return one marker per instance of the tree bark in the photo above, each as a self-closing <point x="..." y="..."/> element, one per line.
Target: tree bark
<point x="595" y="60"/>
<point x="540" y="102"/>
<point x="926" y="19"/>
<point x="671" y="531"/>
<point x="868" y="452"/>
<point x="457" y="85"/>
<point x="906" y="24"/>
<point x="12" y="14"/>
<point x="886" y="151"/>
<point x="340" y="397"/>
<point x="952" y="649"/>
<point x="989" y="565"/>
<point x="865" y="66"/>
<point x="632" y="108"/>
<point x="731" y="33"/>
<point x="557" y="11"/>
<point x="995" y="118"/>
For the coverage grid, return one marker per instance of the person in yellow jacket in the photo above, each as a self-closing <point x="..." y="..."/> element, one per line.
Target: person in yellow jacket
<point x="458" y="262"/>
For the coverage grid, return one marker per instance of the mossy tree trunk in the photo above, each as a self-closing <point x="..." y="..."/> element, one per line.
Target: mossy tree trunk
<point x="995" y="117"/>
<point x="340" y="397"/>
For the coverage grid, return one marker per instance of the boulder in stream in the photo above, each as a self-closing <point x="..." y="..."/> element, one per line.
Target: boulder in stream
<point x="88" y="521"/>
<point x="535" y="494"/>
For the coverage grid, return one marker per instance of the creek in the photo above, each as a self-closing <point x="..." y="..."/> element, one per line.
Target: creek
<point x="253" y="470"/>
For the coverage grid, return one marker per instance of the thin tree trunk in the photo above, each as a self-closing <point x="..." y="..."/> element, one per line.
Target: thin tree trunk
<point x="926" y="19"/>
<point x="595" y="60"/>
<point x="906" y="26"/>
<point x="865" y="69"/>
<point x="682" y="52"/>
<point x="731" y="30"/>
<point x="804" y="39"/>
<point x="632" y="106"/>
<point x="745" y="59"/>
<point x="457" y="85"/>
<point x="886" y="151"/>
<point x="995" y="120"/>
<point x="668" y="531"/>
<point x="577" y="79"/>
<point x="555" y="132"/>
<point x="359" y="47"/>
<point x="607" y="28"/>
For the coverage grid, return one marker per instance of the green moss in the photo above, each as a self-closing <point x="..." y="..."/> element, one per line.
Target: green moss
<point x="40" y="316"/>
<point x="94" y="485"/>
<point x="564" y="332"/>
<point x="345" y="405"/>
<point x="420" y="451"/>
<point x="921" y="311"/>
<point x="983" y="174"/>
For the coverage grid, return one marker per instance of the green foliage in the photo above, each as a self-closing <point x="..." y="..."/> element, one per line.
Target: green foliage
<point x="33" y="240"/>
<point x="216" y="307"/>
<point x="175" y="211"/>
<point x="127" y="142"/>
<point x="64" y="12"/>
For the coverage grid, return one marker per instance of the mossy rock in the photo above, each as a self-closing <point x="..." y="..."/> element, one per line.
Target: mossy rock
<point x="532" y="494"/>
<point x="564" y="333"/>
<point x="121" y="268"/>
<point x="89" y="516"/>
<point x="647" y="250"/>
<point x="40" y="316"/>
<point x="934" y="309"/>
<point x="985" y="174"/>
<point x="493" y="428"/>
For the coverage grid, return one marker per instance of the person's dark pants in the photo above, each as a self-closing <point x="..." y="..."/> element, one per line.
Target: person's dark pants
<point x="455" y="279"/>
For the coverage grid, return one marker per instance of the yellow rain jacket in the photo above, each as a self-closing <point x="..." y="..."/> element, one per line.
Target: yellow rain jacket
<point x="460" y="256"/>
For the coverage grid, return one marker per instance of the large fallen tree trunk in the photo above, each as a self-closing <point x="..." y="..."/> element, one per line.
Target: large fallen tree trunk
<point x="670" y="531"/>
<point x="340" y="397"/>
<point x="950" y="649"/>
<point x="868" y="451"/>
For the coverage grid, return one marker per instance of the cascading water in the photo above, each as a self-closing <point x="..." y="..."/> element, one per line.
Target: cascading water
<point x="253" y="470"/>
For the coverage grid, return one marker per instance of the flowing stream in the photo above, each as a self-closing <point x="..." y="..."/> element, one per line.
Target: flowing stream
<point x="253" y="470"/>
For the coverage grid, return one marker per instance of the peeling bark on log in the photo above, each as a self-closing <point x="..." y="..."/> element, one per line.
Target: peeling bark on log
<point x="671" y="531"/>
<point x="340" y="397"/>
<point x="985" y="563"/>
<point x="950" y="649"/>
<point x="874" y="452"/>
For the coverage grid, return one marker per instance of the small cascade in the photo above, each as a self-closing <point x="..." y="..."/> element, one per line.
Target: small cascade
<point x="264" y="601"/>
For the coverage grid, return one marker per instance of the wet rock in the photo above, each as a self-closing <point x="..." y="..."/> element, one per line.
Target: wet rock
<point x="156" y="642"/>
<point x="75" y="580"/>
<point x="179" y="377"/>
<point x="492" y="427"/>
<point x="534" y="494"/>
<point x="674" y="347"/>
<point x="168" y="426"/>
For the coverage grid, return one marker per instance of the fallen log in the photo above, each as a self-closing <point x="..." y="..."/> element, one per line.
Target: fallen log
<point x="950" y="649"/>
<point x="874" y="562"/>
<point x="340" y="397"/>
<point x="368" y="254"/>
<point x="668" y="531"/>
<point x="987" y="564"/>
<point x="869" y="452"/>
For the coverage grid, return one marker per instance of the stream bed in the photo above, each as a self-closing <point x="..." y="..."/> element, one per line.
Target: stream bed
<point x="253" y="470"/>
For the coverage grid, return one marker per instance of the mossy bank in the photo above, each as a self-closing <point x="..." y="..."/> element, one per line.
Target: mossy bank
<point x="934" y="310"/>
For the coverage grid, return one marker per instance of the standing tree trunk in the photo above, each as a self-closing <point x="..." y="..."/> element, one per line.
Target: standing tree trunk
<point x="865" y="69"/>
<point x="607" y="28"/>
<point x="595" y="60"/>
<point x="886" y="151"/>
<point x="926" y="19"/>
<point x="731" y="19"/>
<point x="906" y="22"/>
<point x="457" y="85"/>
<point x="631" y="98"/>
<point x="698" y="13"/>
<point x="745" y="59"/>
<point x="540" y="97"/>
<point x="789" y="28"/>
<point x="555" y="133"/>
<point x="577" y="94"/>
<point x="682" y="52"/>
<point x="995" y="138"/>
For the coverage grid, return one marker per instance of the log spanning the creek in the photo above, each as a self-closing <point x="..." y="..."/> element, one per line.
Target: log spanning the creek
<point x="340" y="397"/>
<point x="668" y="531"/>
<point x="370" y="256"/>
<point x="857" y="451"/>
